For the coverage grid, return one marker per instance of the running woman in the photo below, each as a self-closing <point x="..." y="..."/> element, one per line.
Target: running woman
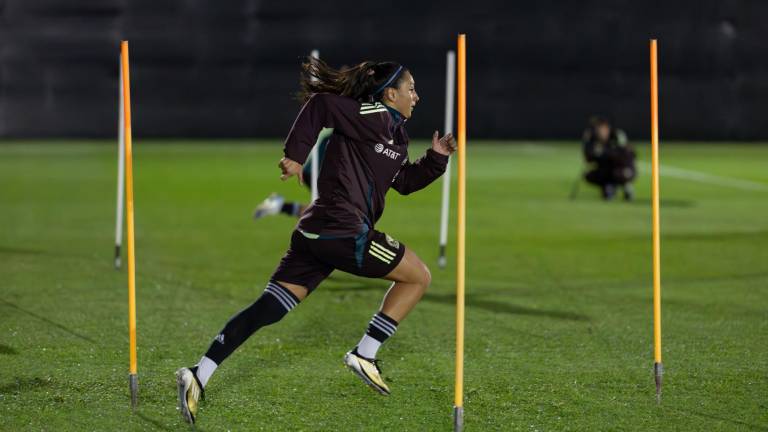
<point x="367" y="107"/>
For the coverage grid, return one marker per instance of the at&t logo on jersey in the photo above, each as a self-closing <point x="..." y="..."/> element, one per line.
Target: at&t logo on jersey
<point x="386" y="152"/>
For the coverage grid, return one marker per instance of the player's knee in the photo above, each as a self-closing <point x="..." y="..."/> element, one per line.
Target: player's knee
<point x="425" y="277"/>
<point x="412" y="270"/>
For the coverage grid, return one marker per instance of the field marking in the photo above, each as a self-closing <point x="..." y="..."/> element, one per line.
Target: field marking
<point x="702" y="177"/>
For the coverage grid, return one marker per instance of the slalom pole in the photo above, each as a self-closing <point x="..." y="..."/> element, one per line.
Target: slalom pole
<point x="133" y="377"/>
<point x="315" y="150"/>
<point x="120" y="174"/>
<point x="658" y="367"/>
<point x="458" y="409"/>
<point x="450" y="89"/>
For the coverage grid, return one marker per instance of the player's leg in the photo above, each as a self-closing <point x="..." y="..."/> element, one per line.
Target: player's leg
<point x="296" y="276"/>
<point x="411" y="278"/>
<point x="274" y="303"/>
<point x="624" y="175"/>
<point x="276" y="204"/>
<point x="601" y="177"/>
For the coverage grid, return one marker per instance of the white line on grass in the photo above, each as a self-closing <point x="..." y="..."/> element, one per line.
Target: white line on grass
<point x="702" y="177"/>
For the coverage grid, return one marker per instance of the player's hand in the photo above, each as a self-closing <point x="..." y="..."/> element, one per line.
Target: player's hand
<point x="445" y="145"/>
<point x="291" y="168"/>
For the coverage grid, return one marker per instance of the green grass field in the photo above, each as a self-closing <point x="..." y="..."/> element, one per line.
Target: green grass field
<point x="558" y="294"/>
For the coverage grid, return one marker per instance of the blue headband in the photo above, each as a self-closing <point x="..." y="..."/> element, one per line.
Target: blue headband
<point x="389" y="81"/>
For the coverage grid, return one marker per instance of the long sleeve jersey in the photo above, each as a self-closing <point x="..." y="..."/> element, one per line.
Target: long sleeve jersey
<point x="367" y="154"/>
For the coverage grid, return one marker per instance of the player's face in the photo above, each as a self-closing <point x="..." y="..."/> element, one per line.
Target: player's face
<point x="404" y="97"/>
<point x="603" y="132"/>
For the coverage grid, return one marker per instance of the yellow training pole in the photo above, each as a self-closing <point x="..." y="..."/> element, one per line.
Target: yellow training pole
<point x="657" y="366"/>
<point x="458" y="409"/>
<point x="133" y="379"/>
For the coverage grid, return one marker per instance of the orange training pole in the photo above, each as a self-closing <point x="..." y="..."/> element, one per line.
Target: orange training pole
<point x="133" y="379"/>
<point x="458" y="410"/>
<point x="657" y="366"/>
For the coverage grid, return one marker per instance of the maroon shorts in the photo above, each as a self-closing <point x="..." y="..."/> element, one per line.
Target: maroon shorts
<point x="309" y="260"/>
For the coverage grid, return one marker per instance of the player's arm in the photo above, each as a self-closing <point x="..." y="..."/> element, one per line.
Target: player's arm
<point x="321" y="110"/>
<point x="414" y="176"/>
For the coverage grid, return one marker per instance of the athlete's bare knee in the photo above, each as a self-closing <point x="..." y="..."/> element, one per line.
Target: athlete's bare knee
<point x="421" y="272"/>
<point x="412" y="270"/>
<point x="426" y="277"/>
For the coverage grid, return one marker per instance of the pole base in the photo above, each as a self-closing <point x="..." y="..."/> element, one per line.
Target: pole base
<point x="458" y="419"/>
<point x="441" y="261"/>
<point x="133" y="381"/>
<point x="658" y="372"/>
<point x="118" y="261"/>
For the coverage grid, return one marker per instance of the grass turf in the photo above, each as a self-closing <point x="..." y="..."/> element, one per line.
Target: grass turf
<point x="559" y="308"/>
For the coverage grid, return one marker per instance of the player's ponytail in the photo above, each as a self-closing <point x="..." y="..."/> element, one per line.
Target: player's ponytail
<point x="364" y="82"/>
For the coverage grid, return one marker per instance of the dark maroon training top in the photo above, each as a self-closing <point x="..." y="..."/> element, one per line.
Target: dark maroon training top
<point x="367" y="154"/>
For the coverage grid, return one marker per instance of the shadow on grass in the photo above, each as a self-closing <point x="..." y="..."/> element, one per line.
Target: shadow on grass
<point x="664" y="203"/>
<point x="475" y="301"/>
<point x="726" y="420"/>
<point x="644" y="202"/>
<point x="24" y="384"/>
<point x="507" y="308"/>
<point x="718" y="235"/>
<point x="48" y="321"/>
<point x="156" y="423"/>
<point x="341" y="282"/>
<point x="19" y="251"/>
<point x="7" y="350"/>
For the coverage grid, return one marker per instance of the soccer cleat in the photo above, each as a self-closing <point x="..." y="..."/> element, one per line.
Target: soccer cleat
<point x="190" y="393"/>
<point x="368" y="370"/>
<point x="269" y="207"/>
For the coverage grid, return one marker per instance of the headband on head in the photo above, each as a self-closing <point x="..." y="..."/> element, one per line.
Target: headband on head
<point x="389" y="81"/>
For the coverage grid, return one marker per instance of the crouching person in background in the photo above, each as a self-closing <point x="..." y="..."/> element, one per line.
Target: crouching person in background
<point x="610" y="159"/>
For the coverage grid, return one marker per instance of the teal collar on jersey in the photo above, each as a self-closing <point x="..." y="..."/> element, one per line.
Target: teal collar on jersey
<point x="396" y="116"/>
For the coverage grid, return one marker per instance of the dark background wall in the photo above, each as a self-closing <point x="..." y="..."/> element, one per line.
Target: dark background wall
<point x="536" y="69"/>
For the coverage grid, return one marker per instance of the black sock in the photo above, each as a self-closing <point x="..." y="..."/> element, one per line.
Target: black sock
<point x="271" y="307"/>
<point x="291" y="208"/>
<point x="380" y="328"/>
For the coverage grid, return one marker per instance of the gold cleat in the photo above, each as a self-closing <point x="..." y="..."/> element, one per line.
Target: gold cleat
<point x="368" y="370"/>
<point x="189" y="394"/>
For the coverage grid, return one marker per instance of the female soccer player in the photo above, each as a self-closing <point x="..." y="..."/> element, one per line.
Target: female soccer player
<point x="367" y="107"/>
